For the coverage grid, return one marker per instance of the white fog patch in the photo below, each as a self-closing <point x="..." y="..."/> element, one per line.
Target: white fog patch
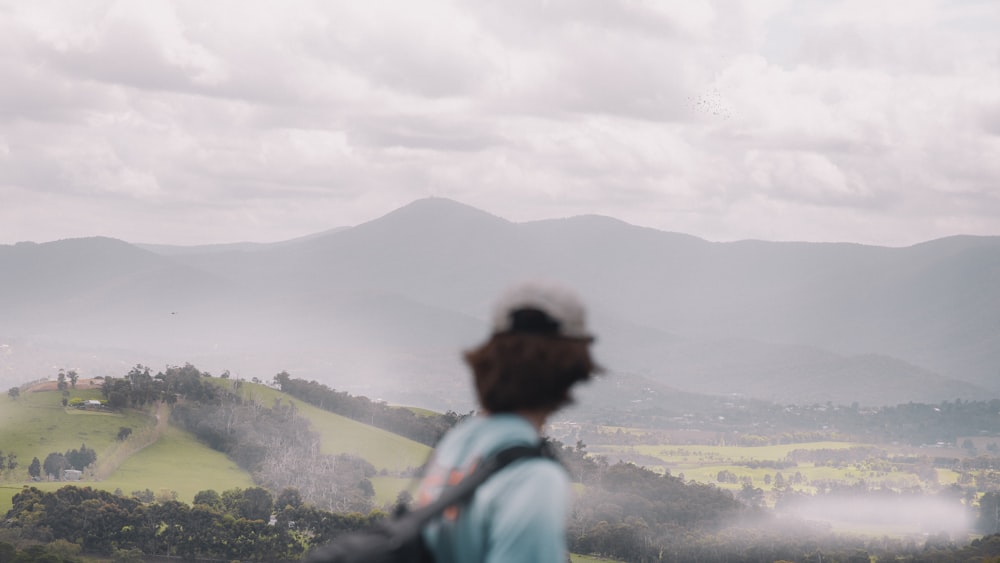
<point x="883" y="514"/>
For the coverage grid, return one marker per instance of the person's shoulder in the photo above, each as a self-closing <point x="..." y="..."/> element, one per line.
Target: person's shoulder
<point x="536" y="486"/>
<point x="544" y="469"/>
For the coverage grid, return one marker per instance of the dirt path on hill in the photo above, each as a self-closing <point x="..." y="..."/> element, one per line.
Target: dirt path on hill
<point x="134" y="444"/>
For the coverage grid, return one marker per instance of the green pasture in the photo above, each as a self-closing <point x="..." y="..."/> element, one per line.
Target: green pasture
<point x="671" y="454"/>
<point x="339" y="434"/>
<point x="36" y="424"/>
<point x="702" y="464"/>
<point x="387" y="489"/>
<point x="947" y="476"/>
<point x="177" y="462"/>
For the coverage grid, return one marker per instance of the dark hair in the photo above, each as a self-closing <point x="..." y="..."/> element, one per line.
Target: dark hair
<point x="516" y="371"/>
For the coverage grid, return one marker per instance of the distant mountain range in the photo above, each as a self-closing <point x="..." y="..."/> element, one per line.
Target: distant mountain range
<point x="384" y="308"/>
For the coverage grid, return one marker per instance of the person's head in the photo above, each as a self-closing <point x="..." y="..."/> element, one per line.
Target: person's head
<point x="538" y="350"/>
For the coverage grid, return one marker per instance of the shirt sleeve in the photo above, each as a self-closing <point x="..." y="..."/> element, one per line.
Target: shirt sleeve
<point x="528" y="522"/>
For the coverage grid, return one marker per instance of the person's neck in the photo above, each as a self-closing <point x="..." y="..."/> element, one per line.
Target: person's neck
<point x="536" y="417"/>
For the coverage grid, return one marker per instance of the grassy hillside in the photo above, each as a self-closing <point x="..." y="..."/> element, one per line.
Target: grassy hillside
<point x="177" y="462"/>
<point x="37" y="424"/>
<point x="339" y="434"/>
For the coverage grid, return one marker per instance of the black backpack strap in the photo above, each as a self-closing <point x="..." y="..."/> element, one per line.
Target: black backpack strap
<point x="466" y="487"/>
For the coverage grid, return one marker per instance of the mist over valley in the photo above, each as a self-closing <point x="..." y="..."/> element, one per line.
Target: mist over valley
<point x="384" y="308"/>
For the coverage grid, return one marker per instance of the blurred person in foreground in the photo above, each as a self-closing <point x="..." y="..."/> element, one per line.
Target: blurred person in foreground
<point x="538" y="350"/>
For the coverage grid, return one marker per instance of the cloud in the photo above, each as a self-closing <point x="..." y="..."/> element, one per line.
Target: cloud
<point x="792" y="120"/>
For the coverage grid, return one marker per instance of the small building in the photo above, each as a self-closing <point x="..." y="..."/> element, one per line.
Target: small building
<point x="72" y="475"/>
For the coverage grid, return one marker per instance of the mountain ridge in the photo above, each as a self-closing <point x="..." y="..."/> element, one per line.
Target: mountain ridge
<point x="412" y="288"/>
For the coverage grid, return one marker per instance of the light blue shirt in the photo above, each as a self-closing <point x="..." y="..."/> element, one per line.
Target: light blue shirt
<point x="518" y="515"/>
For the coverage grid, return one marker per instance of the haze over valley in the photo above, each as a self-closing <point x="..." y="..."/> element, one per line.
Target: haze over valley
<point x="383" y="309"/>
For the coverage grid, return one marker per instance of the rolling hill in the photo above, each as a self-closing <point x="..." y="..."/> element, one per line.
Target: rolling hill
<point x="383" y="308"/>
<point x="161" y="457"/>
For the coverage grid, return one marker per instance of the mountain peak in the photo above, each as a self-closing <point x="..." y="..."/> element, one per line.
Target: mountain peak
<point x="440" y="208"/>
<point x="433" y="214"/>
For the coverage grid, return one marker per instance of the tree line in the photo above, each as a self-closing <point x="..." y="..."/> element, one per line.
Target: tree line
<point x="252" y="525"/>
<point x="424" y="428"/>
<point x="234" y="525"/>
<point x="750" y="422"/>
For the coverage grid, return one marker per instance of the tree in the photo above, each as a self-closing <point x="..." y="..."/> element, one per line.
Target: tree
<point x="81" y="458"/>
<point x="35" y="468"/>
<point x="123" y="433"/>
<point x="989" y="513"/>
<point x="14" y="392"/>
<point x="257" y="504"/>
<point x="11" y="461"/>
<point x="61" y="381"/>
<point x="282" y="379"/>
<point x="209" y="498"/>
<point x="288" y="497"/>
<point x="54" y="465"/>
<point x="73" y="377"/>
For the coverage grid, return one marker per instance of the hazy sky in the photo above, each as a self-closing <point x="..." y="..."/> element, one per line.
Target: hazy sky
<point x="203" y="122"/>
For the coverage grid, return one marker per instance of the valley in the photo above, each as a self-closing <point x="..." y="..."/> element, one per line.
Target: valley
<point x="806" y="474"/>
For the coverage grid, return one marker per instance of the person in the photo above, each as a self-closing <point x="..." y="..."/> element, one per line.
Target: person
<point x="538" y="350"/>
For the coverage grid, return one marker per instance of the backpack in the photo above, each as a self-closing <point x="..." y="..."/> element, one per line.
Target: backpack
<point x="398" y="538"/>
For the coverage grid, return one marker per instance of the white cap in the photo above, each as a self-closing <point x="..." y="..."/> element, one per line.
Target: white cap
<point x="563" y="312"/>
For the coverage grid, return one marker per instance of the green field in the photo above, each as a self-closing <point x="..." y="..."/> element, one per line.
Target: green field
<point x="177" y="465"/>
<point x="175" y="462"/>
<point x="703" y="463"/>
<point x="37" y="424"/>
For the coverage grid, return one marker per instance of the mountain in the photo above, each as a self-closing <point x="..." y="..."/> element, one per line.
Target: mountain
<point x="385" y="307"/>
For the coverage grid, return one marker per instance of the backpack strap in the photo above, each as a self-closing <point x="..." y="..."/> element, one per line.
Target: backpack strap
<point x="463" y="490"/>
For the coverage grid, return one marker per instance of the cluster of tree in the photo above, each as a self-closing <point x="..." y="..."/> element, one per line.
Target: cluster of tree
<point x="140" y="387"/>
<point x="59" y="551"/>
<point x="8" y="462"/>
<point x="426" y="428"/>
<point x="251" y="525"/>
<point x="234" y="525"/>
<point x="835" y="457"/>
<point x="767" y="463"/>
<point x="56" y="463"/>
<point x="63" y="376"/>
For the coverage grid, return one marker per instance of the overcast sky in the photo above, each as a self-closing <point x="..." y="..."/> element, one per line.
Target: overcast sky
<point x="204" y="122"/>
